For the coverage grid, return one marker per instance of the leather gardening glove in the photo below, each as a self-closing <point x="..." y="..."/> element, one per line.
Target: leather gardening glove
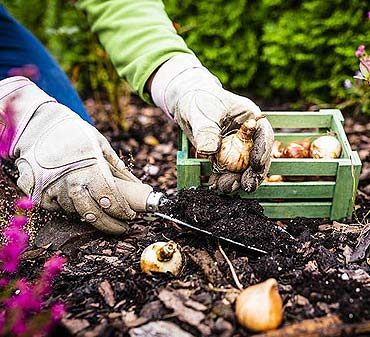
<point x="186" y="90"/>
<point x="63" y="161"/>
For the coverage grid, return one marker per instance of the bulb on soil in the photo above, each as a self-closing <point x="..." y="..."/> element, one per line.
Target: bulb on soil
<point x="260" y="307"/>
<point x="326" y="147"/>
<point x="161" y="257"/>
<point x="235" y="149"/>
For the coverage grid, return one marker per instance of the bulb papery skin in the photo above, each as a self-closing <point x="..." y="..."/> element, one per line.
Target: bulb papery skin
<point x="275" y="178"/>
<point x="297" y="150"/>
<point x="161" y="257"/>
<point x="326" y="147"/>
<point x="260" y="307"/>
<point x="235" y="149"/>
<point x="277" y="149"/>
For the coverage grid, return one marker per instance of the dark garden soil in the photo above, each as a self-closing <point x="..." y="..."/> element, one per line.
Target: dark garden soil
<point x="107" y="295"/>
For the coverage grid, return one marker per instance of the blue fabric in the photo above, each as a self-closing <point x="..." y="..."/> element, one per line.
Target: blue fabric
<point x="18" y="47"/>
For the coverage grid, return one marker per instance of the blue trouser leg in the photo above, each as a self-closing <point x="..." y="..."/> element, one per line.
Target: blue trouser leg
<point x="18" y="47"/>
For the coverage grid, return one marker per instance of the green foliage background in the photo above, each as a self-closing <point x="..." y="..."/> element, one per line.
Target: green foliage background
<point x="281" y="50"/>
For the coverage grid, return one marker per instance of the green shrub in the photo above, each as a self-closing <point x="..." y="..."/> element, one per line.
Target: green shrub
<point x="277" y="48"/>
<point x="311" y="48"/>
<point x="280" y="50"/>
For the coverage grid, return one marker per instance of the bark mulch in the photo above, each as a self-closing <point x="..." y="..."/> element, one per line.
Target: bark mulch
<point x="320" y="271"/>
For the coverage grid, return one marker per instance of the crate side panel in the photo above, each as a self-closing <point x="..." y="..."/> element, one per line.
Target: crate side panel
<point x="188" y="176"/>
<point x="288" y="210"/>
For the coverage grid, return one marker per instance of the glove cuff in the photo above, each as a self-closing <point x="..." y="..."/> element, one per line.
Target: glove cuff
<point x="19" y="99"/>
<point x="171" y="70"/>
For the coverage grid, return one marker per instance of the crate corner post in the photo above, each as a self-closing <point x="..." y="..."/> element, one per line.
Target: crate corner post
<point x="343" y="196"/>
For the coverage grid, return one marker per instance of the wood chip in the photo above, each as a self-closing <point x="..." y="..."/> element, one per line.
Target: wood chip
<point x="75" y="325"/>
<point x="159" y="329"/>
<point x="195" y="305"/>
<point x="131" y="320"/>
<point x="174" y="301"/>
<point x="105" y="289"/>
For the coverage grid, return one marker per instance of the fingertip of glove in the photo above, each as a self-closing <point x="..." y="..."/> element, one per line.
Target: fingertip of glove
<point x="207" y="142"/>
<point x="250" y="181"/>
<point x="228" y="182"/>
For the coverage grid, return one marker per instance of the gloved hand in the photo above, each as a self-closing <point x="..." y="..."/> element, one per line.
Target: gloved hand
<point x="63" y="161"/>
<point x="187" y="91"/>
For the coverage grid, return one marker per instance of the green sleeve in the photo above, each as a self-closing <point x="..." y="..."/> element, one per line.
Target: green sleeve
<point x="137" y="34"/>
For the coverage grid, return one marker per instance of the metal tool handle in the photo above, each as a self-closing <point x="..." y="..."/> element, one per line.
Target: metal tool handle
<point x="141" y="197"/>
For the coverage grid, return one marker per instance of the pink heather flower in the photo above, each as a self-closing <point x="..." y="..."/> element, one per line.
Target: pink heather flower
<point x="30" y="71"/>
<point x="9" y="257"/>
<point x="6" y="133"/>
<point x="52" y="268"/>
<point x="3" y="282"/>
<point x="25" y="203"/>
<point x="11" y="252"/>
<point x="57" y="311"/>
<point x="360" y="50"/>
<point x="25" y="298"/>
<point x="19" y="327"/>
<point x="18" y="221"/>
<point x="54" y="265"/>
<point x="368" y="15"/>
<point x="16" y="235"/>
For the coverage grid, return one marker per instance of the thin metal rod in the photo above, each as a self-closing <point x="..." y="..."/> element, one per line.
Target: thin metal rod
<point x="222" y="238"/>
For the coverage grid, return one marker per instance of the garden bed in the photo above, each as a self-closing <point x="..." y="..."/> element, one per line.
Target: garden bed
<point x="107" y="295"/>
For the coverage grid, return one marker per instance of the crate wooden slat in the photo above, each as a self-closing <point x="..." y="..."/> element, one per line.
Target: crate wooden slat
<point x="316" y="199"/>
<point x="287" y="210"/>
<point x="293" y="190"/>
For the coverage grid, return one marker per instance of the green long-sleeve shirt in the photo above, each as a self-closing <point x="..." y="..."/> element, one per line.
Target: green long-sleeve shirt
<point x="137" y="34"/>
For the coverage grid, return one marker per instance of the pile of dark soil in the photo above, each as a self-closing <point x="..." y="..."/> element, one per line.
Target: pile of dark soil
<point x="304" y="267"/>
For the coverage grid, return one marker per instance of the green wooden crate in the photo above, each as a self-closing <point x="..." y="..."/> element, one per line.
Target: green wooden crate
<point x="332" y="193"/>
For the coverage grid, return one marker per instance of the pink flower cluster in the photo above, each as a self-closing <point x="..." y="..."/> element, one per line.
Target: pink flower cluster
<point x="22" y="309"/>
<point x="364" y="73"/>
<point x="360" y="50"/>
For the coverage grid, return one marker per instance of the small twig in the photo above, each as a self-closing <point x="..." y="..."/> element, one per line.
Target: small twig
<point x="233" y="273"/>
<point x="222" y="290"/>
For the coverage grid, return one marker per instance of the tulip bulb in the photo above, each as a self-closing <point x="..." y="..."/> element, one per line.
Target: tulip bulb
<point x="297" y="150"/>
<point x="326" y="147"/>
<point x="260" y="307"/>
<point x="161" y="257"/>
<point x="234" y="151"/>
<point x="274" y="178"/>
<point x="277" y="149"/>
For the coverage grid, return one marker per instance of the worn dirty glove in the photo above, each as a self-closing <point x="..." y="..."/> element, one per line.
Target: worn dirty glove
<point x="63" y="161"/>
<point x="187" y="91"/>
